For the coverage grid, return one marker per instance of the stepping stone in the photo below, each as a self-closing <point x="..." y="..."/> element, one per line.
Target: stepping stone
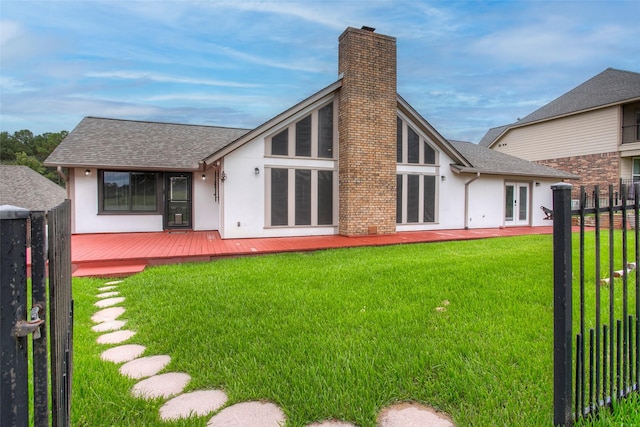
<point x="112" y="325"/>
<point x="165" y="385"/>
<point x="109" y="302"/>
<point x="108" y="294"/>
<point x="107" y="315"/>
<point x="331" y="423"/>
<point x="115" y="337"/>
<point x="412" y="414"/>
<point x="254" y="414"/>
<point x="115" y="282"/>
<point x="107" y="288"/>
<point x="198" y="403"/>
<point x="144" y="366"/>
<point x="123" y="353"/>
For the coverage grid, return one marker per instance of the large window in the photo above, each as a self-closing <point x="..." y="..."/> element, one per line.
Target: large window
<point x="411" y="148"/>
<point x="302" y="197"/>
<point x="128" y="191"/>
<point x="310" y="137"/>
<point x="415" y="199"/>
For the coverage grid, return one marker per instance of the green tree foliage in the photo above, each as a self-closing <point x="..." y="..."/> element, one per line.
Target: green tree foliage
<point x="25" y="148"/>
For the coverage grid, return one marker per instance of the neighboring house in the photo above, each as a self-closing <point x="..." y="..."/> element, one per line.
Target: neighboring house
<point x="592" y="131"/>
<point x="352" y="159"/>
<point x="23" y="187"/>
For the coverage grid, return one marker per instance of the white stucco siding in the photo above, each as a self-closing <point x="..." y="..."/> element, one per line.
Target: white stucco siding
<point x="85" y="206"/>
<point x="206" y="211"/>
<point x="592" y="132"/>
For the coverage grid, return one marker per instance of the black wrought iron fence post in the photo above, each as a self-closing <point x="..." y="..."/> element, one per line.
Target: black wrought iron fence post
<point x="562" y="305"/>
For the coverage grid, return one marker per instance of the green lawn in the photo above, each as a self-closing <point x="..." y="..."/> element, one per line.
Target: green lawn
<point x="466" y="327"/>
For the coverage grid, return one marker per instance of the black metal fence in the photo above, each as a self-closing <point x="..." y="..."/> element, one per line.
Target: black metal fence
<point x="48" y="323"/>
<point x="601" y="362"/>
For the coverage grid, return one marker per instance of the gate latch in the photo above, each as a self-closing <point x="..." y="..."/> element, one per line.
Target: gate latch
<point x="24" y="327"/>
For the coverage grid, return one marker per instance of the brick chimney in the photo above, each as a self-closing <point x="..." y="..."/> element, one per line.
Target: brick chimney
<point x="367" y="126"/>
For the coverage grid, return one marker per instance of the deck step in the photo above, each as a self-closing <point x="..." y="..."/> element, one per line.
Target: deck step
<point x="96" y="269"/>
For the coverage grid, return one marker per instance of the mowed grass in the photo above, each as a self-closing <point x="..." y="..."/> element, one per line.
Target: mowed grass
<point x="465" y="327"/>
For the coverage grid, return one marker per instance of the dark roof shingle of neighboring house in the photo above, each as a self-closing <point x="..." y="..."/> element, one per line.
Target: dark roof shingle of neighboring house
<point x="25" y="188"/>
<point x="610" y="87"/>
<point x="102" y="142"/>
<point x="487" y="161"/>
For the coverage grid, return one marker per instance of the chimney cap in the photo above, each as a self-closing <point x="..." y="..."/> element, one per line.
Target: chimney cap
<point x="364" y="27"/>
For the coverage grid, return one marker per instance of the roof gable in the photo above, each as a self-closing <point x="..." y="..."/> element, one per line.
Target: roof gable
<point x="101" y="142"/>
<point x="25" y="188"/>
<point x="610" y="87"/>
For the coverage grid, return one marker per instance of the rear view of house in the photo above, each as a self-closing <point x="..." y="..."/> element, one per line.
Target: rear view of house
<point x="354" y="158"/>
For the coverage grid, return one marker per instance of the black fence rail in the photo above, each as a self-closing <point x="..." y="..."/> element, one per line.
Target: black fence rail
<point x="46" y="324"/>
<point x="601" y="362"/>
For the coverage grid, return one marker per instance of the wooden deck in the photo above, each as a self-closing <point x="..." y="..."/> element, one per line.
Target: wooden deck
<point x="123" y="254"/>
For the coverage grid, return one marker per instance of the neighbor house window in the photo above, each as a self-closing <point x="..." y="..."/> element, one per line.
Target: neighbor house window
<point x="411" y="147"/>
<point x="638" y="125"/>
<point x="636" y="170"/>
<point x="301" y="197"/>
<point x="313" y="136"/>
<point x="128" y="191"/>
<point x="415" y="198"/>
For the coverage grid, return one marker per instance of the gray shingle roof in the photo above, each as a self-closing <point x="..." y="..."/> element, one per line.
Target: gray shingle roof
<point x="25" y="188"/>
<point x="485" y="160"/>
<point x="100" y="142"/>
<point x="610" y="87"/>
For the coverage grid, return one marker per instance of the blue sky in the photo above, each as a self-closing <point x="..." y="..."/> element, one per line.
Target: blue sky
<point x="465" y="66"/>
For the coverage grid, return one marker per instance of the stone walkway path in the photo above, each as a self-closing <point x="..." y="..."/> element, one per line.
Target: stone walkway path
<point x="170" y="385"/>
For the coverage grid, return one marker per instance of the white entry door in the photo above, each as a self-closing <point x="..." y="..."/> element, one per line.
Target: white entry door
<point x="516" y="207"/>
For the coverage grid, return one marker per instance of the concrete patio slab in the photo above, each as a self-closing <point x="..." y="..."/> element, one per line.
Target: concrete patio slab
<point x="198" y="403"/>
<point x="413" y="415"/>
<point x="113" y="282"/>
<point x="249" y="414"/>
<point x="112" y="325"/>
<point x="107" y="288"/>
<point x="115" y="337"/>
<point x="109" y="302"/>
<point x="144" y="366"/>
<point x="331" y="423"/>
<point x="165" y="385"/>
<point x="107" y="315"/>
<point x="108" y="294"/>
<point x="123" y="353"/>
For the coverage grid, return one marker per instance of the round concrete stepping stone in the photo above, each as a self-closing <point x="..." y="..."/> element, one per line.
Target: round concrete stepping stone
<point x="107" y="288"/>
<point x="114" y="282"/>
<point x="331" y="423"/>
<point x="123" y="353"/>
<point x="198" y="403"/>
<point x="108" y="294"/>
<point x="109" y="302"/>
<point x="112" y="325"/>
<point x="165" y="385"/>
<point x="107" y="315"/>
<point x="412" y="414"/>
<point x="249" y="414"/>
<point x="144" y="366"/>
<point x="115" y="337"/>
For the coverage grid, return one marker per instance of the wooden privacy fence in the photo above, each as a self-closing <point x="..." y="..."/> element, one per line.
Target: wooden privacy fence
<point x="601" y="362"/>
<point x="42" y="323"/>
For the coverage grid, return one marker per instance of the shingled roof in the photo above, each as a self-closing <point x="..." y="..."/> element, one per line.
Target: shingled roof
<point x="610" y="87"/>
<point x="114" y="143"/>
<point x="487" y="161"/>
<point x="25" y="188"/>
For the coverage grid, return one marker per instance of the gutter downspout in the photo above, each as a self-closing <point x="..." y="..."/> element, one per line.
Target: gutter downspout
<point x="466" y="200"/>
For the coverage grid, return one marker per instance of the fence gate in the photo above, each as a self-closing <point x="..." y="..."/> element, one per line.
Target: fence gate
<point x="36" y="316"/>
<point x="601" y="362"/>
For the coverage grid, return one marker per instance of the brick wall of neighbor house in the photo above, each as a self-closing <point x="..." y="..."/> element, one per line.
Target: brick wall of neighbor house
<point x="594" y="169"/>
<point x="367" y="127"/>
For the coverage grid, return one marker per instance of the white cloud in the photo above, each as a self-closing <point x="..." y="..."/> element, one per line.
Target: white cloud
<point x="163" y="78"/>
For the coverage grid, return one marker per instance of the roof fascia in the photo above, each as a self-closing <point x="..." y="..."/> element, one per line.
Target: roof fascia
<point x="426" y="127"/>
<point x="561" y="116"/>
<point x="471" y="170"/>
<point x="267" y="126"/>
<point x="123" y="167"/>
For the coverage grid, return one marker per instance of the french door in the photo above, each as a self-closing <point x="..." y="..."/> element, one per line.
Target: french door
<point x="177" y="211"/>
<point x="516" y="207"/>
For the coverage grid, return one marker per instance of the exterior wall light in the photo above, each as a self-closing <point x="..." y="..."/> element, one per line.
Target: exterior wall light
<point x="257" y="171"/>
<point x="443" y="178"/>
<point x="204" y="177"/>
<point x="87" y="172"/>
<point x="223" y="176"/>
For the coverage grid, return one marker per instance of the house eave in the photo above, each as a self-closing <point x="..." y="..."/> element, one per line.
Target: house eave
<point x="458" y="169"/>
